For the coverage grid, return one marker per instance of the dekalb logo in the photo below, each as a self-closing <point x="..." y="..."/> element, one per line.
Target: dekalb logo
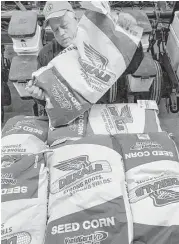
<point x="95" y="238"/>
<point x="146" y="144"/>
<point x="120" y="120"/>
<point x="17" y="238"/>
<point x="160" y="190"/>
<point x="78" y="169"/>
<point x="96" y="68"/>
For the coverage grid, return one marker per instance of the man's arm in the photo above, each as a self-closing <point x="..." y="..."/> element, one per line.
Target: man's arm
<point x="46" y="54"/>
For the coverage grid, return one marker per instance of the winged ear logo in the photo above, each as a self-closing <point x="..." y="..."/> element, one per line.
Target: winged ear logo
<point x="74" y="163"/>
<point x="8" y="160"/>
<point x="126" y="115"/>
<point x="76" y="170"/>
<point x="73" y="126"/>
<point x="121" y="119"/>
<point x="164" y="197"/>
<point x="96" y="67"/>
<point x="95" y="57"/>
<point x="18" y="238"/>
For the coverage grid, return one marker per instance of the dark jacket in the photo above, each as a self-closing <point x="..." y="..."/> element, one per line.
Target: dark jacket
<point x="48" y="52"/>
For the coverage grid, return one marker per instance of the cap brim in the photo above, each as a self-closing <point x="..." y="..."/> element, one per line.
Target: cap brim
<point x="54" y="15"/>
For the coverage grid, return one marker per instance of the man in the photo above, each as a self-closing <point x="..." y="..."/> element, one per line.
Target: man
<point x="61" y="18"/>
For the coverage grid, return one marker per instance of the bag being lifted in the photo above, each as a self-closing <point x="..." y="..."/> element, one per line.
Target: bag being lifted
<point x="24" y="135"/>
<point x="121" y="118"/>
<point x="151" y="163"/>
<point x="82" y="73"/>
<point x="88" y="200"/>
<point x="24" y="199"/>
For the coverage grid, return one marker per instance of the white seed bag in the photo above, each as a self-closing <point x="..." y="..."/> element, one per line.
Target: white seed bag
<point x="121" y="118"/>
<point x="24" y="200"/>
<point x="88" y="200"/>
<point x="24" y="135"/>
<point x="152" y="173"/>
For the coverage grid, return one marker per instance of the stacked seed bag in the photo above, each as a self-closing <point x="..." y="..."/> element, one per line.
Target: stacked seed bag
<point x="88" y="186"/>
<point x="74" y="131"/>
<point x="101" y="53"/>
<point x="88" y="201"/>
<point x="24" y="135"/>
<point x="109" y="119"/>
<point x="23" y="181"/>
<point x="151" y="163"/>
<point x="122" y="118"/>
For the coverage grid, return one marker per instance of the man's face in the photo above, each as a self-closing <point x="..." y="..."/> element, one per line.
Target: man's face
<point x="64" y="29"/>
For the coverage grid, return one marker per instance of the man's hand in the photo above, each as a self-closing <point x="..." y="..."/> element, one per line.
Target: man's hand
<point x="35" y="91"/>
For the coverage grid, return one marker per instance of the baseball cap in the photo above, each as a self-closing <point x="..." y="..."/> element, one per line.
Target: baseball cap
<point x="55" y="9"/>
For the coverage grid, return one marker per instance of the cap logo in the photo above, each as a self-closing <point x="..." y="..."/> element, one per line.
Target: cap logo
<point x="49" y="7"/>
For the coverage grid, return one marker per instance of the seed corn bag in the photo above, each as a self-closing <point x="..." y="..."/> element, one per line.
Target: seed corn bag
<point x="23" y="199"/>
<point x="122" y="118"/>
<point x="88" y="201"/>
<point x="24" y="135"/>
<point x="151" y="163"/>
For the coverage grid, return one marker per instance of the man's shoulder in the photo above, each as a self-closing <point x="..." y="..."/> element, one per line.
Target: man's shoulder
<point x="48" y="52"/>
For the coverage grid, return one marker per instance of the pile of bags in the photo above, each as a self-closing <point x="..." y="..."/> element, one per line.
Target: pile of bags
<point x="114" y="189"/>
<point x="24" y="180"/>
<point x="99" y="184"/>
<point x="108" y="119"/>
